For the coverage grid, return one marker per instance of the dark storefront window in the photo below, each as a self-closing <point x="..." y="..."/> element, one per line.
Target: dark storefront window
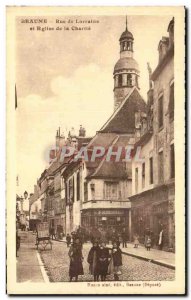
<point x="151" y="169"/>
<point x="161" y="167"/>
<point x="172" y="164"/>
<point x="160" y="112"/>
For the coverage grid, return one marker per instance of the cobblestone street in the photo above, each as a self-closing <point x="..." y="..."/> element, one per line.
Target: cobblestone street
<point x="56" y="262"/>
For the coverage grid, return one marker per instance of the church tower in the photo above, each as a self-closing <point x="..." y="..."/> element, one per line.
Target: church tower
<point x="126" y="70"/>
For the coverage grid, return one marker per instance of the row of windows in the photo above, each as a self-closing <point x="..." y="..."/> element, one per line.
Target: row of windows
<point x="126" y="46"/>
<point x="111" y="191"/>
<point x="143" y="174"/>
<point x="71" y="189"/>
<point x="160" y="169"/>
<point x="129" y="80"/>
<point x="170" y="107"/>
<point x="161" y="164"/>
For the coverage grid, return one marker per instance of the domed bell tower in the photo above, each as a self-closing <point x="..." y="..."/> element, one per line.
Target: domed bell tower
<point x="126" y="70"/>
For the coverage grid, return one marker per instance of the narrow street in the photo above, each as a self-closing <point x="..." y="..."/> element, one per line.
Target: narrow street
<point x="56" y="262"/>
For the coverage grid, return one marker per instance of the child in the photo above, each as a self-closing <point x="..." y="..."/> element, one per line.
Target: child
<point x="136" y="241"/>
<point x="68" y="239"/>
<point x="148" y="244"/>
<point x="116" y="257"/>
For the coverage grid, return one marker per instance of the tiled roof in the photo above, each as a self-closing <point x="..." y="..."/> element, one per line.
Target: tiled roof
<point x="112" y="169"/>
<point x="123" y="119"/>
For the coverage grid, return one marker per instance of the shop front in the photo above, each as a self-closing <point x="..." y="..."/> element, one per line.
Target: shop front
<point x="105" y="219"/>
<point x="151" y="214"/>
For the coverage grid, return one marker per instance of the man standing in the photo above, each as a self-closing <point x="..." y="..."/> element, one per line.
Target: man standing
<point x="124" y="238"/>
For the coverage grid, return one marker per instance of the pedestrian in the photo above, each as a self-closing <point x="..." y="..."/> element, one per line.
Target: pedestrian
<point x="76" y="259"/>
<point x="148" y="243"/>
<point x="124" y="238"/>
<point x="136" y="241"/>
<point x="146" y="235"/>
<point x="93" y="260"/>
<point x="74" y="236"/>
<point x="120" y="240"/>
<point x="68" y="239"/>
<point x="53" y="235"/>
<point x="115" y="262"/>
<point x="160" y="242"/>
<point x="103" y="261"/>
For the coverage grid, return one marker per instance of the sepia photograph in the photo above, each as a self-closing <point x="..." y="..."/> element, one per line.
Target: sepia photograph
<point x="95" y="150"/>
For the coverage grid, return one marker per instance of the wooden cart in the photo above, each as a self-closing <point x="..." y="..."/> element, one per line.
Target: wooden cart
<point x="43" y="237"/>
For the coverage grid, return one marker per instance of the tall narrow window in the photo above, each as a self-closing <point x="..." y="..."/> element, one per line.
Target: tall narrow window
<point x="129" y="80"/>
<point x="161" y="167"/>
<point x="120" y="80"/>
<point x="160" y="111"/>
<point x="136" y="180"/>
<point x="66" y="193"/>
<point x="171" y="102"/>
<point x="151" y="170"/>
<point x="71" y="190"/>
<point x="143" y="175"/>
<point x="85" y="191"/>
<point x="78" y="186"/>
<point x="172" y="164"/>
<point x="92" y="186"/>
<point x="128" y="46"/>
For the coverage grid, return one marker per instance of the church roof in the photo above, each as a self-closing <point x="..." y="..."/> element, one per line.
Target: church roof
<point x="123" y="118"/>
<point x="126" y="63"/>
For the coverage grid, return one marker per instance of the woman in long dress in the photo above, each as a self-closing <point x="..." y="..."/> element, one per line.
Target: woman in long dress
<point x="93" y="260"/>
<point x="76" y="258"/>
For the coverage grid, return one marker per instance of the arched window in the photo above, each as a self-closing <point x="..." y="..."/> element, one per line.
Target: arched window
<point x="128" y="46"/>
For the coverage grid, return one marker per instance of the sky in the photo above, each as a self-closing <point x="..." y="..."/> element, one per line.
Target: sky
<point x="65" y="78"/>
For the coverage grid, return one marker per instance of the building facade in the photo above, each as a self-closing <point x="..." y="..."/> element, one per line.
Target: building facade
<point x="103" y="186"/>
<point x="153" y="188"/>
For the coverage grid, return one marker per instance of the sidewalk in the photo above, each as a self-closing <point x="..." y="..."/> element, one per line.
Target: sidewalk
<point x="29" y="265"/>
<point x="162" y="258"/>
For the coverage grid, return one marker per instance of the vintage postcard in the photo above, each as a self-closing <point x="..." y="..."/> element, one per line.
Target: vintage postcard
<point x="95" y="150"/>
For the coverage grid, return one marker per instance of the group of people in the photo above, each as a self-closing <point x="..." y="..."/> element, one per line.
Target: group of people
<point x="102" y="260"/>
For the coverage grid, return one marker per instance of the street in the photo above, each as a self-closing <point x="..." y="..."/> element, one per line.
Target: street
<point x="56" y="262"/>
